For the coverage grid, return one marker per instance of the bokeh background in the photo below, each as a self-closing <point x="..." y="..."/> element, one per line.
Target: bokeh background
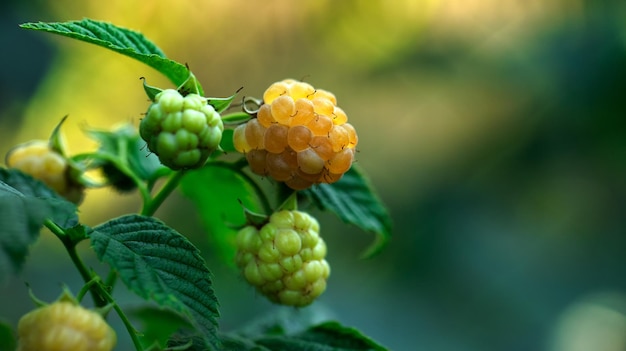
<point x="495" y="131"/>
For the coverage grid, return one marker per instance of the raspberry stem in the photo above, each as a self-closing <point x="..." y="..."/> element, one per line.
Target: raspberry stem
<point x="151" y="205"/>
<point x="93" y="282"/>
<point x="70" y="246"/>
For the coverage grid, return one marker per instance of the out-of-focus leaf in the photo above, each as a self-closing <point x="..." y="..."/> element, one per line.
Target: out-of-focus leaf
<point x="216" y="192"/>
<point x="355" y="201"/>
<point x="158" y="324"/>
<point x="7" y="337"/>
<point x="124" y="143"/>
<point x="323" y="337"/>
<point x="63" y="213"/>
<point x="327" y="336"/>
<point x="25" y="203"/>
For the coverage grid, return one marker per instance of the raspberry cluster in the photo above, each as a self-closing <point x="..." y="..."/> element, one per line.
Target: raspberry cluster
<point x="299" y="136"/>
<point x="182" y="130"/>
<point x="64" y="326"/>
<point x="39" y="160"/>
<point x="284" y="260"/>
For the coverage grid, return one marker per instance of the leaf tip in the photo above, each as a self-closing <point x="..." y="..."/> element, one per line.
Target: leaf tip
<point x="376" y="247"/>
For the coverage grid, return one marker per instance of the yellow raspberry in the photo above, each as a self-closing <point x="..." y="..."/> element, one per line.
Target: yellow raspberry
<point x="37" y="159"/>
<point x="304" y="138"/>
<point x="64" y="326"/>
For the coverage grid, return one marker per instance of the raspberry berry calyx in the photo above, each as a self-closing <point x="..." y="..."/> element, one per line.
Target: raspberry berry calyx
<point x="284" y="258"/>
<point x="64" y="325"/>
<point x="299" y="136"/>
<point x="182" y="131"/>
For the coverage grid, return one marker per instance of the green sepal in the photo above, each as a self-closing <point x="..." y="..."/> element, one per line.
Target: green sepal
<point x="221" y="104"/>
<point x="290" y="203"/>
<point x="236" y="118"/>
<point x="76" y="172"/>
<point x="67" y="296"/>
<point x="37" y="301"/>
<point x="190" y="86"/>
<point x="151" y="91"/>
<point x="254" y="218"/>
<point x="56" y="142"/>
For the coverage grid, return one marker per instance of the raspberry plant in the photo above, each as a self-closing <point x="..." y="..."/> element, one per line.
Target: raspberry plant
<point x="251" y="175"/>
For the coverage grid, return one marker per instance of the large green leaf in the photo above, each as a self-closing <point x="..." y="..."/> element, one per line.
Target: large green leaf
<point x="285" y="321"/>
<point x="216" y="190"/>
<point x="121" y="40"/>
<point x="61" y="211"/>
<point x="355" y="201"/>
<point x="237" y="343"/>
<point x="158" y="263"/>
<point x="328" y="336"/>
<point x="289" y="329"/>
<point x="25" y="203"/>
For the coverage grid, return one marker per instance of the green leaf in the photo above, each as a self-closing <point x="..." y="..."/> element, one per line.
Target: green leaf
<point x="158" y="263"/>
<point x="285" y="321"/>
<point x="215" y="191"/>
<point x="25" y="203"/>
<point x="188" y="342"/>
<point x="21" y="217"/>
<point x="158" y="324"/>
<point x="62" y="212"/>
<point x="7" y="337"/>
<point x="355" y="201"/>
<point x="236" y="343"/>
<point x="324" y="337"/>
<point x="124" y="41"/>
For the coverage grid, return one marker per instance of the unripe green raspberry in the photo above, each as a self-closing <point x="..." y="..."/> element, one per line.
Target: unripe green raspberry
<point x="37" y="159"/>
<point x="285" y="258"/>
<point x="182" y="130"/>
<point x="64" y="326"/>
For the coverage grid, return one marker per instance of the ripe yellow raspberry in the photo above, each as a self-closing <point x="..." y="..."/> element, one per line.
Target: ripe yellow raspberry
<point x="182" y="130"/>
<point x="64" y="326"/>
<point x="39" y="160"/>
<point x="299" y="136"/>
<point x="284" y="259"/>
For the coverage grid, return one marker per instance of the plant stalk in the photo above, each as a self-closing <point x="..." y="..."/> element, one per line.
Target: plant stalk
<point x="70" y="246"/>
<point x="152" y="205"/>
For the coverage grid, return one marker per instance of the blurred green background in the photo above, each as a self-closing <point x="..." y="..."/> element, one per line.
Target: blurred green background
<point x="494" y="130"/>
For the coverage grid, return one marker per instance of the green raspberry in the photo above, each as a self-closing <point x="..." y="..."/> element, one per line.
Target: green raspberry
<point x="64" y="326"/>
<point x="285" y="258"/>
<point x="182" y="130"/>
